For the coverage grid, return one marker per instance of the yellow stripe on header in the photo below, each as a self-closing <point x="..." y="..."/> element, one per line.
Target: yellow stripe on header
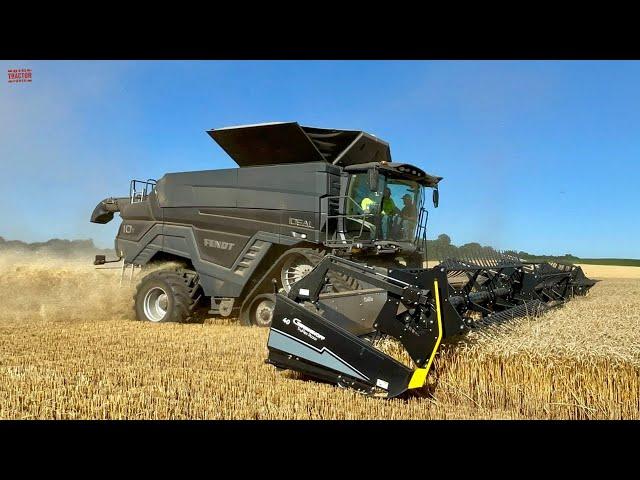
<point x="419" y="376"/>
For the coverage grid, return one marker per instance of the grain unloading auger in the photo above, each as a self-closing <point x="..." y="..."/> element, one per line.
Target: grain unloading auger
<point x="328" y="335"/>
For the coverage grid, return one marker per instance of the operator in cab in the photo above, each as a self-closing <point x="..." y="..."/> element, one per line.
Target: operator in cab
<point x="408" y="215"/>
<point x="388" y="205"/>
<point x="388" y="209"/>
<point x="409" y="211"/>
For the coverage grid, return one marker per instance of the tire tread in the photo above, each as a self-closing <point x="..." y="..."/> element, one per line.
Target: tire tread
<point x="185" y="288"/>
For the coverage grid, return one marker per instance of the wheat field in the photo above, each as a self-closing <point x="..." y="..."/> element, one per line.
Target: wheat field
<point x="70" y="349"/>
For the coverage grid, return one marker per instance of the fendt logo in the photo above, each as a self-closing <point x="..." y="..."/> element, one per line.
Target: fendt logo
<point x="298" y="222"/>
<point x="209" y="242"/>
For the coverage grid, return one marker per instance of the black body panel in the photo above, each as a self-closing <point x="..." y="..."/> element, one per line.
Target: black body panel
<point x="219" y="247"/>
<point x="225" y="221"/>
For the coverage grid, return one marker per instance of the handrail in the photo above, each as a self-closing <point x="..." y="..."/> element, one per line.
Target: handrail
<point x="355" y="217"/>
<point x="136" y="196"/>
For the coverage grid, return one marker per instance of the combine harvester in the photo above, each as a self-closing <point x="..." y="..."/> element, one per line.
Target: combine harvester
<point x="320" y="236"/>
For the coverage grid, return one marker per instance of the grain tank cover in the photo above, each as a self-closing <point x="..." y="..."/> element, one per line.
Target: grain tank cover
<point x="289" y="142"/>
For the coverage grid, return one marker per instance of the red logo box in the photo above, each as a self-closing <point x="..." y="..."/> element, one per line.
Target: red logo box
<point x="19" y="75"/>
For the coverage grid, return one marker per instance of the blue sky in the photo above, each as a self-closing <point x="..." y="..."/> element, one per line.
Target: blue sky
<point x="536" y="156"/>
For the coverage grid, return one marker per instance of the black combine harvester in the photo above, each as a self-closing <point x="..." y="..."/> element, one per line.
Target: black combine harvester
<point x="320" y="236"/>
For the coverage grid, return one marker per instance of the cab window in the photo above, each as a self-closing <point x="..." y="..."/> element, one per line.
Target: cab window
<point x="364" y="200"/>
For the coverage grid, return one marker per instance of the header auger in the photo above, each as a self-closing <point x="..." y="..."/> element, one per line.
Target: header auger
<point x="325" y="335"/>
<point x="340" y="229"/>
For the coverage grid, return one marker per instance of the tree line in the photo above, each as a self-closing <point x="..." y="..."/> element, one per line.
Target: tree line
<point x="442" y="248"/>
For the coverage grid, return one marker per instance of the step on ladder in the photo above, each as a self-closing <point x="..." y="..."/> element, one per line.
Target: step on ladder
<point x="125" y="267"/>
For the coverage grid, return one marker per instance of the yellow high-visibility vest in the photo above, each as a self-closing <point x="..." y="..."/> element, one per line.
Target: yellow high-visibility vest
<point x="366" y="203"/>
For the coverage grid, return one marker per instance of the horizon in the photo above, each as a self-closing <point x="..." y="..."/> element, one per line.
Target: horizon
<point x="97" y="247"/>
<point x="537" y="156"/>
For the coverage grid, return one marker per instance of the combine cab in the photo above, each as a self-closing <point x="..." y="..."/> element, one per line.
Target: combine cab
<point x="321" y="236"/>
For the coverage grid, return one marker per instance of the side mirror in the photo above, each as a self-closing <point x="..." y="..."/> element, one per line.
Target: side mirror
<point x="436" y="197"/>
<point x="373" y="179"/>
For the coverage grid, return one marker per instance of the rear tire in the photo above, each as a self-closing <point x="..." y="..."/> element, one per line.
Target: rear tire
<point x="339" y="281"/>
<point x="168" y="296"/>
<point x="289" y="268"/>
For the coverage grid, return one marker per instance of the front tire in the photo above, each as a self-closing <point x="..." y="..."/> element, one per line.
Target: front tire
<point x="261" y="310"/>
<point x="167" y="296"/>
